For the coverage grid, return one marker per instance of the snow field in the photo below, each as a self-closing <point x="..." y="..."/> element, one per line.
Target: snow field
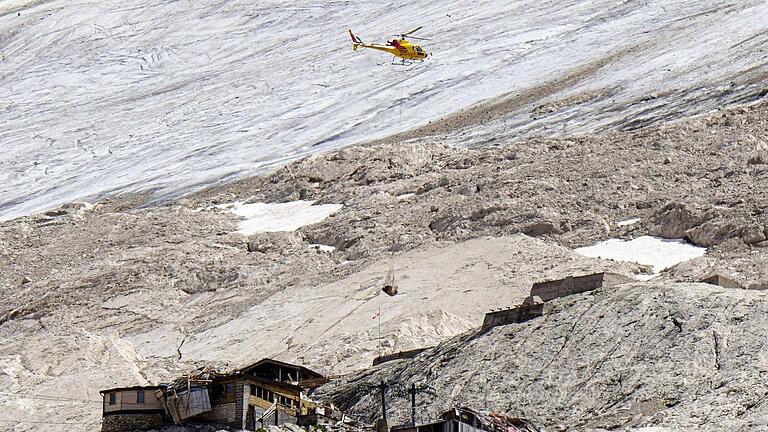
<point x="290" y="216"/>
<point x="656" y="252"/>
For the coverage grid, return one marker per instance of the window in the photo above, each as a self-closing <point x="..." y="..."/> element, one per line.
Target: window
<point x="265" y="394"/>
<point x="229" y="389"/>
<point x="112" y="398"/>
<point x="140" y="396"/>
<point x="217" y="390"/>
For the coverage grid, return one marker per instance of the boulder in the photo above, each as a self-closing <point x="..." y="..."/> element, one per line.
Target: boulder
<point x="715" y="232"/>
<point x="712" y="233"/>
<point x="759" y="156"/>
<point x="444" y="223"/>
<point x="753" y="234"/>
<point x="541" y="228"/>
<point x="674" y="220"/>
<point x="277" y="242"/>
<point x="209" y="280"/>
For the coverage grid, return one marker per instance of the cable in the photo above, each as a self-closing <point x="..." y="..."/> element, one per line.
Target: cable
<point x="49" y="398"/>
<point x="45" y="422"/>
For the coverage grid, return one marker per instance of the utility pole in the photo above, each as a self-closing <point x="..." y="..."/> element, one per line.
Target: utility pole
<point x="383" y="388"/>
<point x="379" y="338"/>
<point x="413" y="404"/>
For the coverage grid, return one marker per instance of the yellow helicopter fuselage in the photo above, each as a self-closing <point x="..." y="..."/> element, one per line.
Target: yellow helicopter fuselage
<point x="397" y="47"/>
<point x="400" y="48"/>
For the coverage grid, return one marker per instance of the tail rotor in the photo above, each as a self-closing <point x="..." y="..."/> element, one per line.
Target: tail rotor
<point x="356" y="42"/>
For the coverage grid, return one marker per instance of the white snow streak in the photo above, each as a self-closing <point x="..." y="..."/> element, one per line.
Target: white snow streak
<point x="628" y="222"/>
<point x="322" y="247"/>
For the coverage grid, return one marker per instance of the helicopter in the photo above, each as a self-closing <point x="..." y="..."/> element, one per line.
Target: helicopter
<point x="408" y="52"/>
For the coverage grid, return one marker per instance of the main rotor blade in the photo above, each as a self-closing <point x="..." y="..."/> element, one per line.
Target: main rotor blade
<point x="412" y="31"/>
<point x="419" y="38"/>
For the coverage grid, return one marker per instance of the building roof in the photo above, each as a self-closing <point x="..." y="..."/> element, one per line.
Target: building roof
<point x="252" y="379"/>
<point x="116" y="389"/>
<point x="267" y="361"/>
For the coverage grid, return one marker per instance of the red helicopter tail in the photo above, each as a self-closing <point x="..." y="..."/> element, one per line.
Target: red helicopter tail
<point x="355" y="39"/>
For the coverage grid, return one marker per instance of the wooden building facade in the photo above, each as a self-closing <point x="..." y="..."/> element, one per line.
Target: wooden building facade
<point x="268" y="392"/>
<point x="132" y="408"/>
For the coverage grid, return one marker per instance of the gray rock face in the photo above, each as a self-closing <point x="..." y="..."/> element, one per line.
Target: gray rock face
<point x="710" y="228"/>
<point x="210" y="279"/>
<point x="759" y="156"/>
<point x="732" y="259"/>
<point x="687" y="355"/>
<point x="715" y="232"/>
<point x="674" y="220"/>
<point x="277" y="242"/>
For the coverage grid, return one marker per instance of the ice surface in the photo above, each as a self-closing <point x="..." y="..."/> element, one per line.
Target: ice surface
<point x="290" y="216"/>
<point x="653" y="251"/>
<point x="170" y="96"/>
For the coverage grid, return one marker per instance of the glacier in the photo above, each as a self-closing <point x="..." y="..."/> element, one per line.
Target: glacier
<point x="165" y="97"/>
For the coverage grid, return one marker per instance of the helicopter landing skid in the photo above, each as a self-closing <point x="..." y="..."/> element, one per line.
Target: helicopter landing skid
<point x="404" y="62"/>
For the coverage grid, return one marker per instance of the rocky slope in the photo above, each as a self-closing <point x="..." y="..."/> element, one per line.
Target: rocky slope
<point x="703" y="180"/>
<point x="685" y="356"/>
<point x="122" y="293"/>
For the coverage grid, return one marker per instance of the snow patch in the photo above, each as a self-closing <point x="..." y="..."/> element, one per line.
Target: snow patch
<point x="656" y="252"/>
<point x="290" y="216"/>
<point x="628" y="222"/>
<point x="322" y="247"/>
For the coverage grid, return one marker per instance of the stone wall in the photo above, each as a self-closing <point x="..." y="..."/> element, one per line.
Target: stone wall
<point x="282" y="417"/>
<point x="516" y="315"/>
<point x="225" y="409"/>
<point x="125" y="422"/>
<point x="398" y="356"/>
<point x="551" y="290"/>
<point x="220" y="413"/>
<point x="241" y="403"/>
<point x="718" y="279"/>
